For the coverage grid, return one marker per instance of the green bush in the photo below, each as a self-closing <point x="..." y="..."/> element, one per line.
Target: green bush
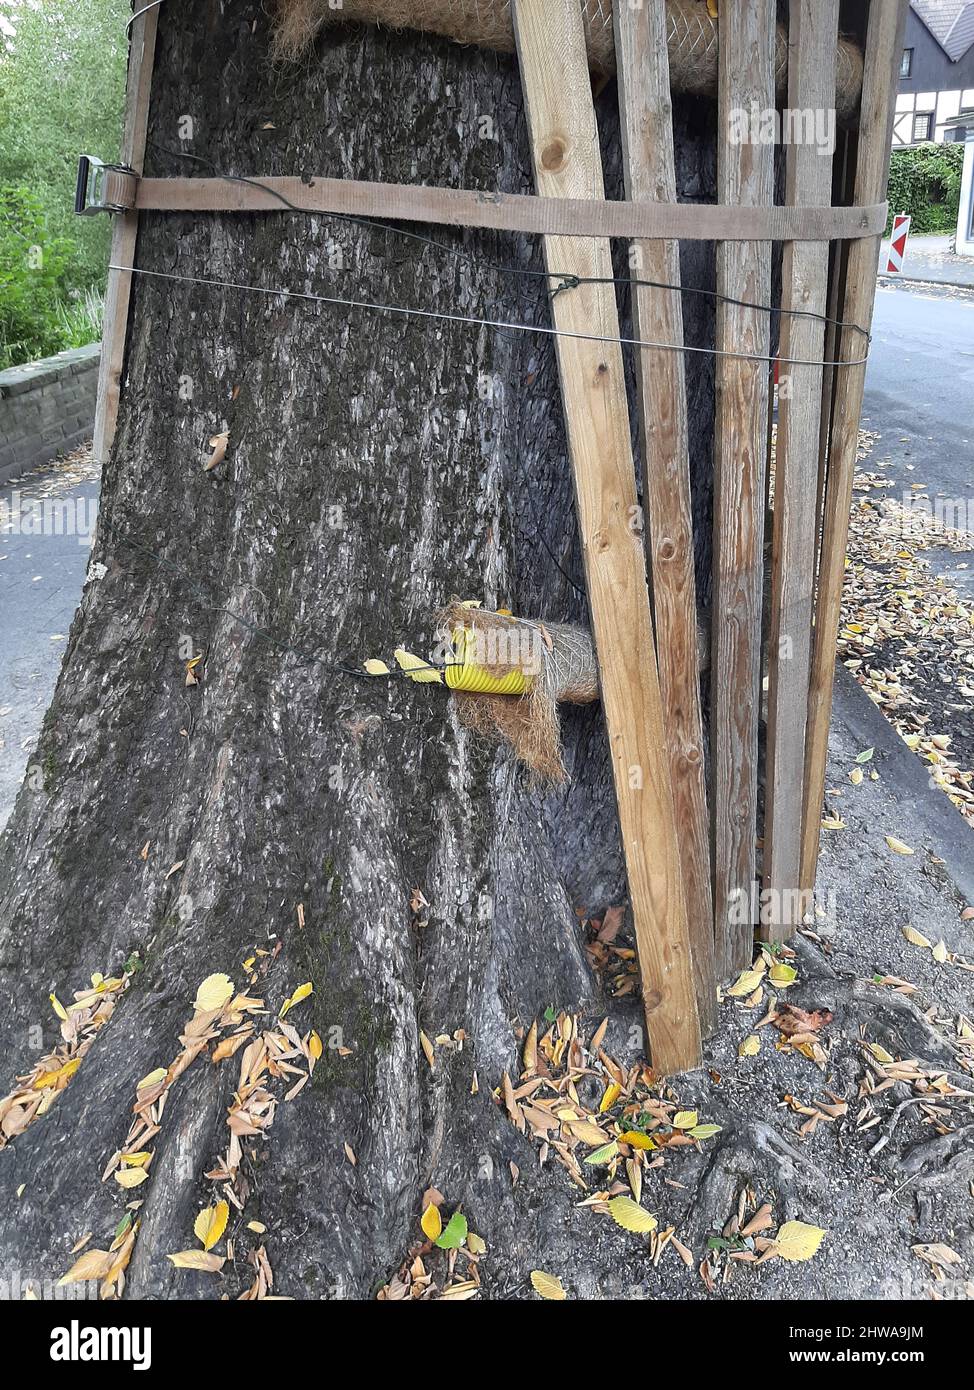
<point x="924" y="181"/>
<point x="32" y="285"/>
<point x="62" y="82"/>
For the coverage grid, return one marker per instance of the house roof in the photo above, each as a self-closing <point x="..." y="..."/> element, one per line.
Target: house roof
<point x="951" y="22"/>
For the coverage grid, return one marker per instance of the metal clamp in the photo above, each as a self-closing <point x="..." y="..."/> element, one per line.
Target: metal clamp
<point x="101" y="187"/>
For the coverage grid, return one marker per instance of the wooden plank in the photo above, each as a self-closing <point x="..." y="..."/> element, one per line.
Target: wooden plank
<point x="646" y="120"/>
<point x="565" y="153"/>
<point x="746" y="76"/>
<point x="125" y="228"/>
<point x="512" y="212"/>
<point x="884" y="45"/>
<point x="812" y="34"/>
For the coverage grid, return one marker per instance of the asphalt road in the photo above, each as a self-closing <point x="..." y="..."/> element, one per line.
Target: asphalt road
<point x="42" y="570"/>
<point x="920" y="399"/>
<point x="919" y="396"/>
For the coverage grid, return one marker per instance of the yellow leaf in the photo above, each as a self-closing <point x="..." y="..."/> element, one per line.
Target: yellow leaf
<point x="712" y="8"/>
<point x="940" y="952"/>
<point x="782" y="975"/>
<point x="636" y="1139"/>
<point x="299" y="994"/>
<point x="855" y="776"/>
<point x="745" y="983"/>
<point x="631" y="1216"/>
<point x="58" y="1007"/>
<point x="833" y="823"/>
<point x="375" y="668"/>
<point x="210" y="1224"/>
<point x="798" y="1241"/>
<point x="315" y="1046"/>
<point x="93" y="1264"/>
<point x="213" y="993"/>
<point x="750" y="1047"/>
<point x="612" y="1093"/>
<point x="897" y="846"/>
<point x="476" y="1244"/>
<point x="548" y="1286"/>
<point x="684" y="1119"/>
<point x="915" y="938"/>
<point x="427" y="1047"/>
<point x="257" y="1226"/>
<point x="198" y="1259"/>
<point x="152" y="1079"/>
<point x="432" y="1222"/>
<point x="881" y="1054"/>
<point x="137" y="1160"/>
<point x="130" y="1177"/>
<point x="416" y="668"/>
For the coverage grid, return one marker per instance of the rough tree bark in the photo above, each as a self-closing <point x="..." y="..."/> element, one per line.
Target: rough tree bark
<point x="376" y="466"/>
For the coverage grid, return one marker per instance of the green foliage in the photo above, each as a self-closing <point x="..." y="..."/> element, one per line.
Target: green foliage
<point x="32" y="288"/>
<point x="62" y="86"/>
<point x="924" y="181"/>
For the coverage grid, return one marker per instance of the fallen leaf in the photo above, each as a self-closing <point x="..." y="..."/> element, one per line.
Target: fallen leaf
<point x="218" y="443"/>
<point x="375" y="668"/>
<point x="548" y="1286"/>
<point x="631" y="1216"/>
<point x="431" y="1222"/>
<point x="93" y="1264"/>
<point x="416" y="668"/>
<point x="454" y="1234"/>
<point x="210" y="1224"/>
<point x="897" y="846"/>
<point x="299" y="994"/>
<point x="203" y="1260"/>
<point x="130" y="1177"/>
<point x="213" y="993"/>
<point x="796" y="1240"/>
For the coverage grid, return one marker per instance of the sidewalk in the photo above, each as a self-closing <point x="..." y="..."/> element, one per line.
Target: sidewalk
<point x="930" y="258"/>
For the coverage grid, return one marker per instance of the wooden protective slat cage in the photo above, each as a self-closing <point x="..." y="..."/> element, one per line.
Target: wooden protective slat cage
<point x="691" y="840"/>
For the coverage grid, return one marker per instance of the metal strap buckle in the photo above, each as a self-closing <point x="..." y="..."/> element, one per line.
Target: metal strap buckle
<point x="90" y="194"/>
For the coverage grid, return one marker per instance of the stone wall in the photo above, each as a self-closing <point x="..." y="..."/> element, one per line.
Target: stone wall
<point x="46" y="408"/>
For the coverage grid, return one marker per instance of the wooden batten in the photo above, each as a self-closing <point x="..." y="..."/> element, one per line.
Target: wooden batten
<point x="884" y="44"/>
<point x="125" y="230"/>
<point x="646" y="121"/>
<point x="565" y="153"/>
<point x="746" y="75"/>
<point x="812" y="34"/>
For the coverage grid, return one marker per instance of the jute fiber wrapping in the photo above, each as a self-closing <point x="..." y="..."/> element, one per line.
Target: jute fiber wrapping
<point x="557" y="662"/>
<point x="691" y="36"/>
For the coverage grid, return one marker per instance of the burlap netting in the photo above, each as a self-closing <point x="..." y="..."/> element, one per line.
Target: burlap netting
<point x="557" y="659"/>
<point x="691" y="37"/>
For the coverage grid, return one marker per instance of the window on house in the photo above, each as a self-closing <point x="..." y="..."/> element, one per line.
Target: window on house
<point x="923" y="126"/>
<point x="906" y="62"/>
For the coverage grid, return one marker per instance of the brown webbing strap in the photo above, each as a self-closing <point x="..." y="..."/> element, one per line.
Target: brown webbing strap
<point x="509" y="212"/>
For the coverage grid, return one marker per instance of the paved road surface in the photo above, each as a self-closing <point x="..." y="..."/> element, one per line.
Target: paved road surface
<point x="920" y="397"/>
<point x="41" y="576"/>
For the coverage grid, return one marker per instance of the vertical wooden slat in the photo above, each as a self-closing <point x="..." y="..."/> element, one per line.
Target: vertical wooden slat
<point x="812" y="36"/>
<point x="884" y="44"/>
<point x="745" y="175"/>
<point x="646" y="120"/>
<point x="565" y="154"/>
<point x="125" y="228"/>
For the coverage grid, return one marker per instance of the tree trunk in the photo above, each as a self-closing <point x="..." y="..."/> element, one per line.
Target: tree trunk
<point x="376" y="466"/>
